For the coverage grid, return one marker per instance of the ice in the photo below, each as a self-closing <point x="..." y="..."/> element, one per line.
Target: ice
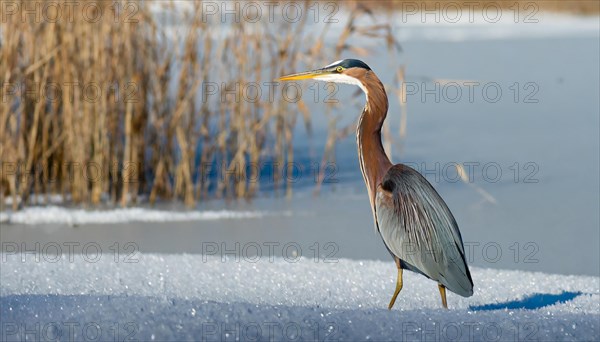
<point x="485" y="26"/>
<point x="416" y="23"/>
<point x="185" y="297"/>
<point x="61" y="215"/>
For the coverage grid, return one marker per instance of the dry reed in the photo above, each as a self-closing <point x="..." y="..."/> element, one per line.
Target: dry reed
<point x="105" y="111"/>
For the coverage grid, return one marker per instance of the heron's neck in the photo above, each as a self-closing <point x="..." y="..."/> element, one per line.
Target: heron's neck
<point x="374" y="163"/>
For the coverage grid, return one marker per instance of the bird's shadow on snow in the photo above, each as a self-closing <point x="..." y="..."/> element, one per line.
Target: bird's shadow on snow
<point x="533" y="302"/>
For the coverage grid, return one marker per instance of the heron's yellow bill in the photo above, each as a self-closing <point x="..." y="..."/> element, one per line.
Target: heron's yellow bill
<point x="300" y="76"/>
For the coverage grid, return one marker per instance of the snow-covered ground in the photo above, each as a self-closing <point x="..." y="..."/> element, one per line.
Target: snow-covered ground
<point x="196" y="297"/>
<point x="71" y="216"/>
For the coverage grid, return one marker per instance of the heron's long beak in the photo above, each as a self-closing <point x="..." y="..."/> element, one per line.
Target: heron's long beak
<point x="304" y="75"/>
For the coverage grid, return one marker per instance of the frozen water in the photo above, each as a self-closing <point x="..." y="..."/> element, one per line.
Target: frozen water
<point x="184" y="297"/>
<point x="414" y="24"/>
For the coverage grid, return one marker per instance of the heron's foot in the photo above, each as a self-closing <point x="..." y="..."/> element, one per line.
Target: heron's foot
<point x="443" y="295"/>
<point x="398" y="288"/>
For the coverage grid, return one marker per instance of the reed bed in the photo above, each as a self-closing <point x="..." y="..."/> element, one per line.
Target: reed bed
<point x="108" y="111"/>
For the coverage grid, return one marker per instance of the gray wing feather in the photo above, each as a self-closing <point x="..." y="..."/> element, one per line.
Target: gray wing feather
<point x="417" y="226"/>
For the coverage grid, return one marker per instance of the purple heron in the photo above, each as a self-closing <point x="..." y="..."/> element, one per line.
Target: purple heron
<point x="416" y="226"/>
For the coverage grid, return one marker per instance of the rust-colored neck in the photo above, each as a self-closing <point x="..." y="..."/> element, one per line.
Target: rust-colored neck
<point x="374" y="163"/>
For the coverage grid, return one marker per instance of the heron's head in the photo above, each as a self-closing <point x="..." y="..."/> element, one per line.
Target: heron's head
<point x="350" y="71"/>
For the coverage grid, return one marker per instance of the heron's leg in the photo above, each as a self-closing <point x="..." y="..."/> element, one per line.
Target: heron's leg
<point x="443" y="294"/>
<point x="398" y="284"/>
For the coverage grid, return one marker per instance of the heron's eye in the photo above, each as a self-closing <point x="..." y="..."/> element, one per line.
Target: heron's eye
<point x="339" y="69"/>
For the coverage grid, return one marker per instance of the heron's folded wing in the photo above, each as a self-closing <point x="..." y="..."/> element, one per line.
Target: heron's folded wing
<point x="417" y="226"/>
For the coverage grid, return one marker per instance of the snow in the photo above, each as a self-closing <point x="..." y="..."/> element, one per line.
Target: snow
<point x="40" y="198"/>
<point x="185" y="297"/>
<point x="61" y="215"/>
